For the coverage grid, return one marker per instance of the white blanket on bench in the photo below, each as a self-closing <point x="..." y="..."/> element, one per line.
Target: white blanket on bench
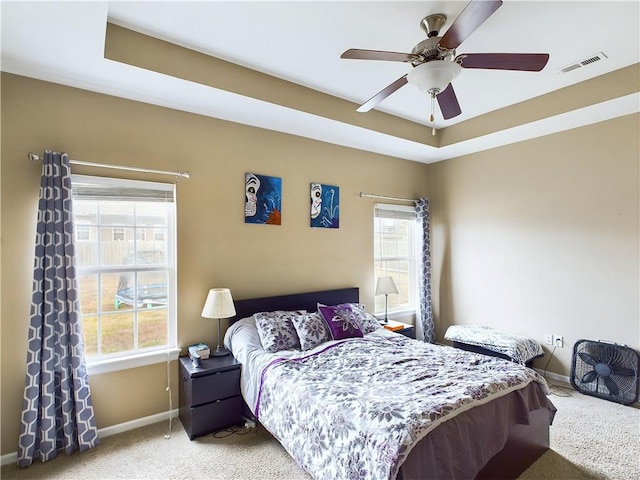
<point x="517" y="347"/>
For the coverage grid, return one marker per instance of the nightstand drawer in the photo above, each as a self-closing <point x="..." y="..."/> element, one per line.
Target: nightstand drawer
<point x="216" y="415"/>
<point x="217" y="386"/>
<point x="407" y="332"/>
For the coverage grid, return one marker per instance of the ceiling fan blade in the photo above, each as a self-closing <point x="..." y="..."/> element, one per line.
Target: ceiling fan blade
<point x="474" y="15"/>
<point x="377" y="98"/>
<point x="530" y="62"/>
<point x="359" y="54"/>
<point x="448" y="102"/>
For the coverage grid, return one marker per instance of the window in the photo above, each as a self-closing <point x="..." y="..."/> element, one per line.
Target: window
<point x="83" y="233"/>
<point x="126" y="283"/>
<point x="395" y="255"/>
<point x="117" y="234"/>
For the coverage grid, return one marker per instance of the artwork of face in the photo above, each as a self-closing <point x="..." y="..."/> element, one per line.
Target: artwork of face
<point x="325" y="205"/>
<point x="263" y="199"/>
<point x="252" y="185"/>
<point x="316" y="199"/>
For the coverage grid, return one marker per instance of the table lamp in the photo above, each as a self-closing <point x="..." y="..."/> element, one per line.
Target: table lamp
<point x="219" y="304"/>
<point x="385" y="286"/>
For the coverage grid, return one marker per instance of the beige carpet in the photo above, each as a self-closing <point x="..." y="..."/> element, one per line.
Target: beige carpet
<point x="590" y="439"/>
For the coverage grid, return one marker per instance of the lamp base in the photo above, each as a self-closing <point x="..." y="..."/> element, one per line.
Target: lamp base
<point x="220" y="352"/>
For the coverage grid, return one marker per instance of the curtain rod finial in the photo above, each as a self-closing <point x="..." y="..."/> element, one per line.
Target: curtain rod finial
<point x="33" y="157"/>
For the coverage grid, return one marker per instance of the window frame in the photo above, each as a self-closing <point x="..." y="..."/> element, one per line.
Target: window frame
<point x="411" y="307"/>
<point x="149" y="355"/>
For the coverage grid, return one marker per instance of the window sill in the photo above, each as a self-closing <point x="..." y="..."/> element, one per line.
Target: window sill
<point x="133" y="361"/>
<point x="396" y="315"/>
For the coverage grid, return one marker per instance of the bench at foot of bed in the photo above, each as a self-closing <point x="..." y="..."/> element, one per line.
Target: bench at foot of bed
<point x="496" y="343"/>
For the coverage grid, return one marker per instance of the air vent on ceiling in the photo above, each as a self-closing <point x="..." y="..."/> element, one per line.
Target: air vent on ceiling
<point x="583" y="63"/>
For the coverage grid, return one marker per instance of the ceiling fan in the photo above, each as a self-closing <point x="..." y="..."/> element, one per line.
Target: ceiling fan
<point x="434" y="60"/>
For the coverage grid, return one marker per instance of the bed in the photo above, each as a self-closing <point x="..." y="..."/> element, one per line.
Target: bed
<point x="382" y="405"/>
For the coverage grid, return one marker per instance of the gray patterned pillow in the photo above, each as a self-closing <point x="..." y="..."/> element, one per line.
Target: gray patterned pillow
<point x="369" y="323"/>
<point x="312" y="330"/>
<point x="276" y="330"/>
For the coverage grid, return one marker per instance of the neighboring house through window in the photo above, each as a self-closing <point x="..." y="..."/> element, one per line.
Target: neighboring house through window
<point x="83" y="233"/>
<point x="117" y="234"/>
<point x="127" y="285"/>
<point x="395" y="255"/>
<point x="159" y="235"/>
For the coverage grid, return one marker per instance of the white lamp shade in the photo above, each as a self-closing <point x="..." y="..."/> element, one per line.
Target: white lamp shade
<point x="219" y="304"/>
<point x="385" y="286"/>
<point x="435" y="75"/>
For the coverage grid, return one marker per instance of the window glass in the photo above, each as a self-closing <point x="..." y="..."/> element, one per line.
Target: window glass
<point x="395" y="255"/>
<point x="125" y="255"/>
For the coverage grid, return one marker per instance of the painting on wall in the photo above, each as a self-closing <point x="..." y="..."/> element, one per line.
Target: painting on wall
<point x="263" y="199"/>
<point x="325" y="206"/>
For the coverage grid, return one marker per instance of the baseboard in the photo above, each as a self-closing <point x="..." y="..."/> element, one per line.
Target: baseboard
<point x="112" y="430"/>
<point x="561" y="378"/>
<point x="553" y="376"/>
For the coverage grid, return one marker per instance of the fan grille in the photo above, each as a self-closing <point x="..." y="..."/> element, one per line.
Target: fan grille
<point x="606" y="370"/>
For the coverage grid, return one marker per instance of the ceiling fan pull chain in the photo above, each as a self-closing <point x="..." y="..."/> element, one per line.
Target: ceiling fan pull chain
<point x="431" y="117"/>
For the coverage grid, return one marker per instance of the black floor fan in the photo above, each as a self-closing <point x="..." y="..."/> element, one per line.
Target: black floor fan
<point x="606" y="370"/>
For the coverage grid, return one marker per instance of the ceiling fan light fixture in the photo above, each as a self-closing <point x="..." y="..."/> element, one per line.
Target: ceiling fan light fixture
<point x="433" y="76"/>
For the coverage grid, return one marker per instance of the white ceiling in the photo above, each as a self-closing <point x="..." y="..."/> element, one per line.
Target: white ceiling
<point x="63" y="42"/>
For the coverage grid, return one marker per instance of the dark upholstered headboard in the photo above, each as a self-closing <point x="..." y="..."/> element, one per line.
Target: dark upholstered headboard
<point x="298" y="301"/>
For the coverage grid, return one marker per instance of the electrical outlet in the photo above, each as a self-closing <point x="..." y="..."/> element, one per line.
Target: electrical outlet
<point x="558" y="341"/>
<point x="548" y="339"/>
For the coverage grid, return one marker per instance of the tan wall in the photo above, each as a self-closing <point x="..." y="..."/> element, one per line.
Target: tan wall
<point x="538" y="237"/>
<point x="215" y="247"/>
<point x="542" y="237"/>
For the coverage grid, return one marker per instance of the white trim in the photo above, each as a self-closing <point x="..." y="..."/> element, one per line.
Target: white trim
<point x="137" y="423"/>
<point x="10" y="458"/>
<point x="392" y="315"/>
<point x="553" y="376"/>
<point x="132" y="361"/>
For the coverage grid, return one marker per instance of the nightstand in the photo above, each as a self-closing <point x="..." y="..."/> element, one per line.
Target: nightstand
<point x="210" y="397"/>
<point x="402" y="328"/>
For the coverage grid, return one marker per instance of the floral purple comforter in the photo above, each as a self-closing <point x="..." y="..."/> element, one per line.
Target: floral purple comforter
<point x="356" y="409"/>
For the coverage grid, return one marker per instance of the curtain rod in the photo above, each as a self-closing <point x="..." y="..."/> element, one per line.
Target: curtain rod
<point x="370" y="195"/>
<point x="33" y="157"/>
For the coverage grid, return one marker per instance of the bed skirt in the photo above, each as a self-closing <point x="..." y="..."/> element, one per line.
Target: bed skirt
<point x="509" y="443"/>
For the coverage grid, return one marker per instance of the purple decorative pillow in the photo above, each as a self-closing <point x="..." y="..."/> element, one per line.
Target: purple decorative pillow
<point x="342" y="321"/>
<point x="312" y="330"/>
<point x="368" y="323"/>
<point x="276" y="330"/>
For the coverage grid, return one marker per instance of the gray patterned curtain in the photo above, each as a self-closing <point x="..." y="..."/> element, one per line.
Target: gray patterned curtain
<point x="424" y="322"/>
<point x="57" y="411"/>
